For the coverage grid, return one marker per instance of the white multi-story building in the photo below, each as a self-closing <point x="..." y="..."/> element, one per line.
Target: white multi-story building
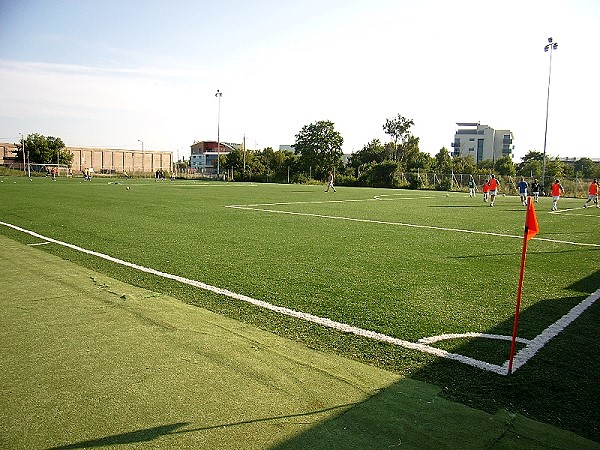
<point x="482" y="142"/>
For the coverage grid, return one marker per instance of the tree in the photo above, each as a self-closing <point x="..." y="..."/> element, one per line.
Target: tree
<point x="380" y="174"/>
<point x="422" y="162"/>
<point x="234" y="160"/>
<point x="371" y="152"/>
<point x="409" y="150"/>
<point x="464" y="164"/>
<point x="319" y="147"/>
<point x="531" y="168"/>
<point x="486" y="166"/>
<point x="399" y="129"/>
<point x="531" y="164"/>
<point x="532" y="155"/>
<point x="585" y="166"/>
<point x="45" y="150"/>
<point x="505" y="166"/>
<point x="443" y="162"/>
<point x="276" y="163"/>
<point x="555" y="169"/>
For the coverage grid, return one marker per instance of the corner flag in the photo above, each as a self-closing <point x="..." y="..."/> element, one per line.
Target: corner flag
<point x="531" y="223"/>
<point x="531" y="229"/>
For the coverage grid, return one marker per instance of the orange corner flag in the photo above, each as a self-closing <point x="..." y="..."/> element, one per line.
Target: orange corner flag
<point x="531" y="223"/>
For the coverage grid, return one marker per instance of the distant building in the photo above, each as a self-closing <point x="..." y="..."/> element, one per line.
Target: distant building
<point x="8" y="156"/>
<point x="482" y="142"/>
<point x="289" y="148"/>
<point x="111" y="161"/>
<point x="204" y="154"/>
<point x="100" y="160"/>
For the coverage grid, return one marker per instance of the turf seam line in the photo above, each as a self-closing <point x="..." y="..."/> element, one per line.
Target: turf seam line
<point x="520" y="359"/>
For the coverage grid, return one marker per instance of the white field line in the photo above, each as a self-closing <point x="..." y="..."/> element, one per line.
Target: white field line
<point x="526" y="353"/>
<point x="257" y="207"/>
<point x="445" y="337"/>
<point x="565" y="212"/>
<point x="562" y="211"/>
<point x="279" y="309"/>
<point x="521" y="358"/>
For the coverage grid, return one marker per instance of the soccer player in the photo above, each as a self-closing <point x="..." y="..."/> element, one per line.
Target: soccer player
<point x="592" y="194"/>
<point x="485" y="189"/>
<point x="493" y="183"/>
<point x="535" y="189"/>
<point x="556" y="190"/>
<point x="472" y="187"/>
<point x="522" y="185"/>
<point x="330" y="182"/>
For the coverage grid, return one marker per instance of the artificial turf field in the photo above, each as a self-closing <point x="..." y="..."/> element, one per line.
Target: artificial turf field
<point x="405" y="264"/>
<point x="91" y="362"/>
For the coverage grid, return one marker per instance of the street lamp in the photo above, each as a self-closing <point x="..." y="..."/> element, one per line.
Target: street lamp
<point x="143" y="169"/>
<point x="219" y="94"/>
<point x="550" y="47"/>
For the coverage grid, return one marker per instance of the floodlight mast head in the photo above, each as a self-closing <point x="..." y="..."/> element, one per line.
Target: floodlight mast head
<point x="550" y="45"/>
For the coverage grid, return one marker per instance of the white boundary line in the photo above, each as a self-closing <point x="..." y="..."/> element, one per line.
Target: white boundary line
<point x="520" y="358"/>
<point x="565" y="212"/>
<point x="383" y="222"/>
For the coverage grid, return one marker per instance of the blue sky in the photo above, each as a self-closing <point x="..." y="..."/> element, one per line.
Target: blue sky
<point x="111" y="73"/>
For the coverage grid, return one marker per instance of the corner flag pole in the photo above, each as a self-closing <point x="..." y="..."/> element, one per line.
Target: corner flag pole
<point x="531" y="229"/>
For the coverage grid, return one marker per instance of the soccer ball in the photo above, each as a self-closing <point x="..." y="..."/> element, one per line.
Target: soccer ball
<point x="127" y="188"/>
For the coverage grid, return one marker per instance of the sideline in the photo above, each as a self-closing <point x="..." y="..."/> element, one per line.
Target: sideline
<point x="520" y="358"/>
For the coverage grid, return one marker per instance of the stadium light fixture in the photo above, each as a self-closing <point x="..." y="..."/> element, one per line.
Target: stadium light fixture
<point x="219" y="94"/>
<point x="549" y="47"/>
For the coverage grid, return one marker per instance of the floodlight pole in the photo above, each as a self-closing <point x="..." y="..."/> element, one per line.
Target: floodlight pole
<point x="551" y="46"/>
<point x="143" y="168"/>
<point x="219" y="94"/>
<point x="23" y="150"/>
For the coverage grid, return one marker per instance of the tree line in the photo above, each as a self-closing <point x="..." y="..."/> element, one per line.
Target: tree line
<point x="318" y="149"/>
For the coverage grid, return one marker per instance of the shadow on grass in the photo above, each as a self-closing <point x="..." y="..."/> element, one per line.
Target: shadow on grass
<point x="557" y="387"/>
<point x="150" y="434"/>
<point x="487" y="255"/>
<point x="146" y="435"/>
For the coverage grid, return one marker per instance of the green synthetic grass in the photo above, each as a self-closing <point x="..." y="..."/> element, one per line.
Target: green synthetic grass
<point x="91" y="362"/>
<point x="371" y="272"/>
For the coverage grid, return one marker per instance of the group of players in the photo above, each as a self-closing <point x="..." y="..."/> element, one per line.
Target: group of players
<point x="490" y="190"/>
